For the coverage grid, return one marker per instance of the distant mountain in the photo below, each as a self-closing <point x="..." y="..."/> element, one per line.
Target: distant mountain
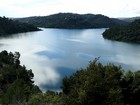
<point x="131" y="19"/>
<point x="70" y="20"/>
<point x="8" y="26"/>
<point x="130" y="32"/>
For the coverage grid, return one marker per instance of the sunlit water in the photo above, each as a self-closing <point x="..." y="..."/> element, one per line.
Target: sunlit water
<point x="53" y="54"/>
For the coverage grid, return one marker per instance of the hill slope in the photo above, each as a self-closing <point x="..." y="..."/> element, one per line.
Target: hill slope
<point x="8" y="26"/>
<point x="131" y="19"/>
<point x="69" y="20"/>
<point x="130" y="32"/>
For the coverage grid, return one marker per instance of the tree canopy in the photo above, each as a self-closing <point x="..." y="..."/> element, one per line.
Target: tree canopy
<point x="102" y="85"/>
<point x="8" y="26"/>
<point x="97" y="84"/>
<point x="16" y="84"/>
<point x="130" y="32"/>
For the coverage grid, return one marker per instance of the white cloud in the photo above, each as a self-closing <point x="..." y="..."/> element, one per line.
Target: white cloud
<point x="48" y="76"/>
<point x="113" y="8"/>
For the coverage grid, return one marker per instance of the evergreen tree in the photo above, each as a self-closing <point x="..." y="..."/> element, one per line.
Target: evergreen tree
<point x="16" y="84"/>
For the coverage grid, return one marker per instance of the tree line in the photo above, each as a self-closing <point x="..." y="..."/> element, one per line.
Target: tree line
<point x="97" y="84"/>
<point x="9" y="26"/>
<point x="130" y="32"/>
<point x="72" y="21"/>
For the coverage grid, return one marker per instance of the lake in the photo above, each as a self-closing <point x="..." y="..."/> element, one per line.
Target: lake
<point x="53" y="54"/>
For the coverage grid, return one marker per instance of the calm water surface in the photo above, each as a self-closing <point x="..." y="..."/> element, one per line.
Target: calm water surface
<point x="55" y="53"/>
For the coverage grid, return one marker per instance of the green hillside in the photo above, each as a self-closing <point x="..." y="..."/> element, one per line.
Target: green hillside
<point x="8" y="26"/>
<point x="70" y="20"/>
<point x="130" y="32"/>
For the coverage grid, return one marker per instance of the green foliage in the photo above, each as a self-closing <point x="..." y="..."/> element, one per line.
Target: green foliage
<point x="8" y="26"/>
<point x="16" y="84"/>
<point x="17" y="92"/>
<point x="101" y="85"/>
<point x="48" y="98"/>
<point x="130" y="32"/>
<point x="69" y="20"/>
<point x="131" y="88"/>
<point x="96" y="85"/>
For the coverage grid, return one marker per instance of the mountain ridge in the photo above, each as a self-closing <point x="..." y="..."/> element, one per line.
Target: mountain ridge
<point x="72" y="20"/>
<point x="129" y="19"/>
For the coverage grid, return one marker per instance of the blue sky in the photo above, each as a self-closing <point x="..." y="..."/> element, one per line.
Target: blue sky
<point x="111" y="8"/>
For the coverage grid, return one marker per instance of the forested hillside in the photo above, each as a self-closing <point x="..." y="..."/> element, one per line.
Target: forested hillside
<point x="8" y="26"/>
<point x="70" y="20"/>
<point x="16" y="84"/>
<point x="130" y="32"/>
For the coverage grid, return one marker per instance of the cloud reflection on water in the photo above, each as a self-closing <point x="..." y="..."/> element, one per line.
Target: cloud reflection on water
<point x="53" y="54"/>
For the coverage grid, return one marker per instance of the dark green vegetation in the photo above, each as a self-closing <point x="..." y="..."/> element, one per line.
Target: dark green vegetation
<point x="48" y="98"/>
<point x="102" y="85"/>
<point x="96" y="85"/>
<point x="130" y="32"/>
<point x="8" y="26"/>
<point x="69" y="20"/>
<point x="16" y="85"/>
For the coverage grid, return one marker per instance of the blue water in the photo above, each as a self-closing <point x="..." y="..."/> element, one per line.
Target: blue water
<point x="53" y="54"/>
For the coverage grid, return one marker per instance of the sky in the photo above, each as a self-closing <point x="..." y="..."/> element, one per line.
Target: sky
<point x="111" y="8"/>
